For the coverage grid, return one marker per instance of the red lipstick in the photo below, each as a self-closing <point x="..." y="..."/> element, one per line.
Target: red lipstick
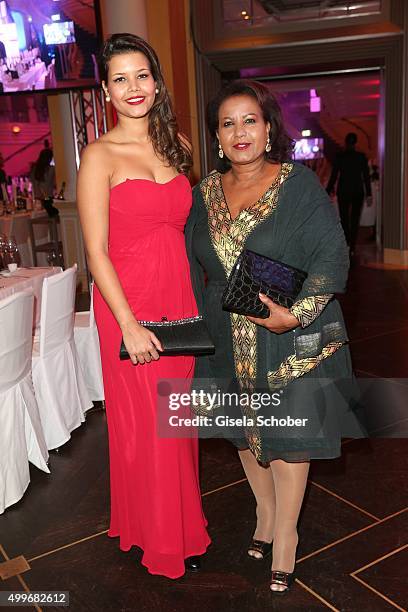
<point x="135" y="100"/>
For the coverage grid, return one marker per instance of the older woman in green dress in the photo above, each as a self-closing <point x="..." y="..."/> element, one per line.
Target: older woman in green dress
<point x="260" y="200"/>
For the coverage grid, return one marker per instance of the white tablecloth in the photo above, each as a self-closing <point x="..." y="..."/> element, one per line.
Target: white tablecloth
<point x="25" y="278"/>
<point x="17" y="225"/>
<point x="28" y="79"/>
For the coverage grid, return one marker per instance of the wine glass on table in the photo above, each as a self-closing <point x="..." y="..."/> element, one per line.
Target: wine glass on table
<point x="12" y="254"/>
<point x="3" y="245"/>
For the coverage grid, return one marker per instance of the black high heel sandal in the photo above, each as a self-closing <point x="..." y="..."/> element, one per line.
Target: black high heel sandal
<point x="282" y="579"/>
<point x="193" y="564"/>
<point x="263" y="548"/>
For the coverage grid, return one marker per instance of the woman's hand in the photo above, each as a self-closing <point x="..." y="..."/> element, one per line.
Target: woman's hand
<point x="280" y="320"/>
<point x="141" y="344"/>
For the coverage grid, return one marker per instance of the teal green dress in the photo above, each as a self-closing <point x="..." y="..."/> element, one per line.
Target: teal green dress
<point x="309" y="368"/>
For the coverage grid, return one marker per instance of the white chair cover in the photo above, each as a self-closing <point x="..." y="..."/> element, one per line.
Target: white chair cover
<point x="21" y="436"/>
<point x="58" y="379"/>
<point x="87" y="344"/>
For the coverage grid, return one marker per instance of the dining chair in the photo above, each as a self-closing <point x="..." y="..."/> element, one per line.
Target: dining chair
<point x="21" y="436"/>
<point x="52" y="246"/>
<point x="87" y="344"/>
<point x="58" y="378"/>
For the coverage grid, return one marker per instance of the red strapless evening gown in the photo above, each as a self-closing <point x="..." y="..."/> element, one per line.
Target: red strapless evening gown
<point x="155" y="493"/>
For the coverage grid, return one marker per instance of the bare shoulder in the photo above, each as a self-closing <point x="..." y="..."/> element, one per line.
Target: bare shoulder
<point x="95" y="152"/>
<point x="95" y="171"/>
<point x="96" y="162"/>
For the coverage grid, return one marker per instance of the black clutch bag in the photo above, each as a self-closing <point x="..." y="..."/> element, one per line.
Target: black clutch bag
<point x="253" y="274"/>
<point x="180" y="337"/>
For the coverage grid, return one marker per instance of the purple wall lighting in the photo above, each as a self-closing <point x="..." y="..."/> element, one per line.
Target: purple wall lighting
<point x="314" y="102"/>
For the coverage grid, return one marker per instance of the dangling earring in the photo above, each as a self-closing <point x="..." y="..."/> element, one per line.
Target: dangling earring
<point x="157" y="90"/>
<point x="107" y="97"/>
<point x="268" y="146"/>
<point x="220" y="151"/>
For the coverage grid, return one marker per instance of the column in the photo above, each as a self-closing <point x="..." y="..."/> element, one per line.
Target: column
<point x="168" y="25"/>
<point x="124" y="16"/>
<point x="63" y="143"/>
<point x="398" y="254"/>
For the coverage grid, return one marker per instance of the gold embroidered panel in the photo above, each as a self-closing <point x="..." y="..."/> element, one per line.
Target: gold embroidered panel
<point x="293" y="368"/>
<point x="308" y="309"/>
<point x="228" y="237"/>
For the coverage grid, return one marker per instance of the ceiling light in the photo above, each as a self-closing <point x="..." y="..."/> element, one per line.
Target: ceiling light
<point x="306" y="133"/>
<point x="16" y="129"/>
<point x="55" y="17"/>
<point x="244" y="13"/>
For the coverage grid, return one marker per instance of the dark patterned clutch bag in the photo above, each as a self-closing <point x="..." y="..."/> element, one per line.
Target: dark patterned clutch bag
<point x="180" y="337"/>
<point x="253" y="274"/>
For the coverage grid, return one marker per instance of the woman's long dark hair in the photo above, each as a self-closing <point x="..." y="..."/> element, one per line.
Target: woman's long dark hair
<point x="281" y="143"/>
<point x="163" y="128"/>
<point x="43" y="162"/>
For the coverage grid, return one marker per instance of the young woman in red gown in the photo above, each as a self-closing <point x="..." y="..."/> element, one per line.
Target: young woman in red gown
<point x="134" y="199"/>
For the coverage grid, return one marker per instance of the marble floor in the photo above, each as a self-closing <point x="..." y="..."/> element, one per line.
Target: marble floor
<point x="353" y="551"/>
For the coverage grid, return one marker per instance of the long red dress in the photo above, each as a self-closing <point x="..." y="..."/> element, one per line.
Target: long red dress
<point x="155" y="493"/>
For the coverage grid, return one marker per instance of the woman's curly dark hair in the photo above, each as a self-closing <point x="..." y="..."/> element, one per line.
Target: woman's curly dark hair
<point x="281" y="143"/>
<point x="163" y="128"/>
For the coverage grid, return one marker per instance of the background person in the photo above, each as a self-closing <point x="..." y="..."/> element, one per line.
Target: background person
<point x="351" y="169"/>
<point x="43" y="181"/>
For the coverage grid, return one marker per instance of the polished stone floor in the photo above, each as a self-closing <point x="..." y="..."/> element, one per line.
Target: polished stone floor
<point x="353" y="551"/>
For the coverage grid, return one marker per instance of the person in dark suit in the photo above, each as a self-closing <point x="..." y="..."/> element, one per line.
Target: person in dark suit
<point x="3" y="175"/>
<point x="351" y="169"/>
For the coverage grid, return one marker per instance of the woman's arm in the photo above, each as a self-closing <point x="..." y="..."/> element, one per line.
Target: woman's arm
<point x="322" y="239"/>
<point x="196" y="271"/>
<point x="93" y="204"/>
